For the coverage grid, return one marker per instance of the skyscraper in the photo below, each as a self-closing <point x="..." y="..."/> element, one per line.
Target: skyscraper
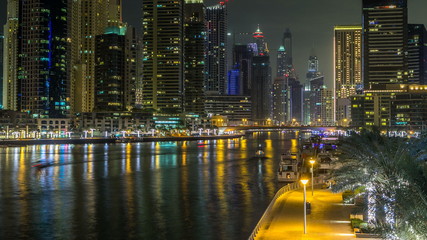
<point x="242" y="61"/>
<point x="282" y="66"/>
<point x="261" y="88"/>
<point x="110" y="70"/>
<point x="385" y="42"/>
<point x="10" y="57"/>
<point x="163" y="45"/>
<point x="287" y="100"/>
<point x="348" y="68"/>
<point x="287" y="44"/>
<point x="261" y="85"/>
<point x="417" y="54"/>
<point x="216" y="61"/>
<point x="88" y="19"/>
<point x="43" y="85"/>
<point x="195" y="37"/>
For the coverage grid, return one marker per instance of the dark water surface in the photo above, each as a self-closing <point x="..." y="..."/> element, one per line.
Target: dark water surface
<point x="170" y="190"/>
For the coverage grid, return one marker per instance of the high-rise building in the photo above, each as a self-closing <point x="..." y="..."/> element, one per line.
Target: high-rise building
<point x="1" y="70"/>
<point x="261" y="89"/>
<point x="417" y="54"/>
<point x="234" y="81"/>
<point x="316" y="87"/>
<point x="315" y="82"/>
<point x="327" y="108"/>
<point x="287" y="44"/>
<point x="216" y="59"/>
<point x="348" y="60"/>
<point x="348" y="69"/>
<point x="10" y="57"/>
<point x="110" y="70"/>
<point x="133" y="69"/>
<point x="88" y="19"/>
<point x="43" y="82"/>
<point x="282" y="68"/>
<point x="194" y="52"/>
<point x="287" y="100"/>
<point x="242" y="61"/>
<point x="163" y="48"/>
<point x="385" y="42"/>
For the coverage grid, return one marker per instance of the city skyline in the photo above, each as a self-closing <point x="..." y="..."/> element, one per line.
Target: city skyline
<point x="246" y="18"/>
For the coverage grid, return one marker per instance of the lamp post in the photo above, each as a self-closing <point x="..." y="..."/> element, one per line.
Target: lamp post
<point x="304" y="182"/>
<point x="312" y="161"/>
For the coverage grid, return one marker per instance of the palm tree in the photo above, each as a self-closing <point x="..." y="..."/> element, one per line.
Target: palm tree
<point x="393" y="178"/>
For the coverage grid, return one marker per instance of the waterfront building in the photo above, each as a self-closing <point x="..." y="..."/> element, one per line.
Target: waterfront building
<point x="195" y="39"/>
<point x="15" y="121"/>
<point x="385" y="42"/>
<point x="10" y="57"/>
<point x="43" y="81"/>
<point x="163" y="44"/>
<point x="216" y="59"/>
<point x="391" y="105"/>
<point x="417" y="54"/>
<point x="236" y="108"/>
<point x="348" y="68"/>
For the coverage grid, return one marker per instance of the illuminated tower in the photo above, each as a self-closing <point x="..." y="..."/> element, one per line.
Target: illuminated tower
<point x="216" y="61"/>
<point x="281" y="62"/>
<point x="348" y="69"/>
<point x="43" y="83"/>
<point x="195" y="38"/>
<point x="10" y="57"/>
<point x="163" y="45"/>
<point x="262" y="48"/>
<point x="385" y="42"/>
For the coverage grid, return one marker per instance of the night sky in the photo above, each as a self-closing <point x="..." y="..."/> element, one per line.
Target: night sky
<point x="311" y="23"/>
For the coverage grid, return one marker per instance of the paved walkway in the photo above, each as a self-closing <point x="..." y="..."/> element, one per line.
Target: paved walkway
<point x="329" y="218"/>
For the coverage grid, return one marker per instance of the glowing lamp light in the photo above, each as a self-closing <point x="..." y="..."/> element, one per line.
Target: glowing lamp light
<point x="312" y="161"/>
<point x="304" y="181"/>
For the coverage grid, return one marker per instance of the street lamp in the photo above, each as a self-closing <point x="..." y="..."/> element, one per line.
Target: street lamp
<point x="304" y="182"/>
<point x="312" y="161"/>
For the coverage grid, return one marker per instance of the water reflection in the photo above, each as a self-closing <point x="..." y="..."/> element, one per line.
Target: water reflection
<point x="170" y="190"/>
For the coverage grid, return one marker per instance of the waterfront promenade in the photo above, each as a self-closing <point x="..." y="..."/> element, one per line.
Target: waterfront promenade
<point x="328" y="220"/>
<point x="24" y="142"/>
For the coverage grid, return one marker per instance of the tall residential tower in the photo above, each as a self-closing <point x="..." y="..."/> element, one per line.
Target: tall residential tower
<point x="163" y="48"/>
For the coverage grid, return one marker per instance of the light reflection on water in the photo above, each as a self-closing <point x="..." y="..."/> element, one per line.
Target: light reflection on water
<point x="165" y="190"/>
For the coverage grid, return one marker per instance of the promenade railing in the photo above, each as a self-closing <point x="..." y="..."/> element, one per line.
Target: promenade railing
<point x="268" y="212"/>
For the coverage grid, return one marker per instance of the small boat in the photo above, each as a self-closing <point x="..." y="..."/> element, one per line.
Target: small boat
<point x="42" y="164"/>
<point x="288" y="168"/>
<point x="260" y="152"/>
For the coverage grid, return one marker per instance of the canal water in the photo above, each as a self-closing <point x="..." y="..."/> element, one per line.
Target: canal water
<point x="165" y="190"/>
